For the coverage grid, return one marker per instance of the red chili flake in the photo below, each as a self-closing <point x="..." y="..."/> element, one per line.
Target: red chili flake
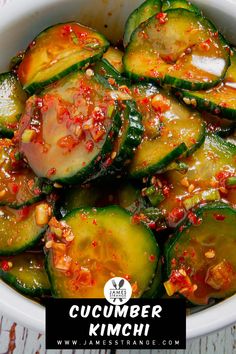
<point x="5" y="266"/>
<point x="206" y="44"/>
<point x="66" y="30"/>
<point x="193" y="140"/>
<point x="89" y="145"/>
<point x="39" y="102"/>
<point x="111" y="81"/>
<point x="13" y="187"/>
<point x="176" y="215"/>
<point x="193" y="218"/>
<point x="219" y="217"/>
<point x="166" y="190"/>
<point x="136" y="219"/>
<point x="152" y="258"/>
<point x="173" y="262"/>
<point x="51" y="172"/>
<point x="127" y="277"/>
<point x="37" y="191"/>
<point x="168" y="59"/>
<point x="94" y="222"/>
<point x="23" y="213"/>
<point x="67" y="142"/>
<point x="145" y="100"/>
<point x="94" y="243"/>
<point x="181" y="228"/>
<point x="83" y="216"/>
<point x="63" y="114"/>
<point x="152" y="225"/>
<point x="162" y="17"/>
<point x="108" y="162"/>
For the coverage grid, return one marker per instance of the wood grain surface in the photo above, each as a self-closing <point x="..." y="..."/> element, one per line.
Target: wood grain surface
<point x="15" y="339"/>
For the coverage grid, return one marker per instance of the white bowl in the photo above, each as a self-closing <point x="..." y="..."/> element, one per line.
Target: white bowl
<point x="20" y="22"/>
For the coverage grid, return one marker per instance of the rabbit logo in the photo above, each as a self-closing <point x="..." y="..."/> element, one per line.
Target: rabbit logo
<point x="117" y="291"/>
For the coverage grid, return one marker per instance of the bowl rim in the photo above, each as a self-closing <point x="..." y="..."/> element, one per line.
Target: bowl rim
<point x="31" y="314"/>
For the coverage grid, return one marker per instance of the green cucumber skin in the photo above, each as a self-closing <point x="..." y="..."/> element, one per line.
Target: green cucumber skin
<point x="173" y="4"/>
<point x="207" y="106"/>
<point x="172" y="241"/>
<point x="10" y="78"/>
<point x="105" y="69"/>
<point x="21" y="249"/>
<point x="132" y="140"/>
<point x="6" y="133"/>
<point x="135" y="18"/>
<point x="172" y="81"/>
<point x="160" y="166"/>
<point x="26" y="203"/>
<point x="12" y="281"/>
<point x="38" y="86"/>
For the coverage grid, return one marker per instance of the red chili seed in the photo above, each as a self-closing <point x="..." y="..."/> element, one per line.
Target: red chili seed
<point x="89" y="145"/>
<point x="4" y="265"/>
<point x="152" y="258"/>
<point x="162" y="17"/>
<point x="219" y="217"/>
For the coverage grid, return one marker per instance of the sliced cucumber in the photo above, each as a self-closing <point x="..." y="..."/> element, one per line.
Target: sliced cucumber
<point x="18" y="184"/>
<point x="114" y="57"/>
<point x="170" y="130"/>
<point x="220" y="100"/>
<point x="57" y="51"/>
<point x="113" y="77"/>
<point x="208" y="170"/>
<point x="146" y="10"/>
<point x="106" y="243"/>
<point x="179" y="4"/>
<point x="21" y="229"/>
<point x="12" y="103"/>
<point x="200" y="259"/>
<point x="26" y="273"/>
<point x="220" y="126"/>
<point x="123" y="194"/>
<point x="69" y="128"/>
<point x="129" y="137"/>
<point x="178" y="48"/>
<point x="156" y="288"/>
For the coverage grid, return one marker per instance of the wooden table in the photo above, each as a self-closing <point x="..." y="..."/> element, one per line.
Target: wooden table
<point x="15" y="339"/>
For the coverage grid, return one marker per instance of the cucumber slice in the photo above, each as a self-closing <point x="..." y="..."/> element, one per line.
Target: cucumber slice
<point x="220" y="126"/>
<point x="21" y="229"/>
<point x="114" y="57"/>
<point x="18" y="184"/>
<point x="123" y="194"/>
<point x="200" y="263"/>
<point x="220" y="100"/>
<point x="170" y="130"/>
<point x="113" y="77"/>
<point x="156" y="288"/>
<point x="106" y="243"/>
<point x="12" y="103"/>
<point x="57" y="51"/>
<point x="179" y="4"/>
<point x="129" y="137"/>
<point x="208" y="169"/>
<point x="178" y="48"/>
<point x="69" y="128"/>
<point x="139" y="15"/>
<point x="26" y="273"/>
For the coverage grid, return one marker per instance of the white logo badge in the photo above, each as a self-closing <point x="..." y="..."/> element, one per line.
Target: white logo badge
<point x="117" y="291"/>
